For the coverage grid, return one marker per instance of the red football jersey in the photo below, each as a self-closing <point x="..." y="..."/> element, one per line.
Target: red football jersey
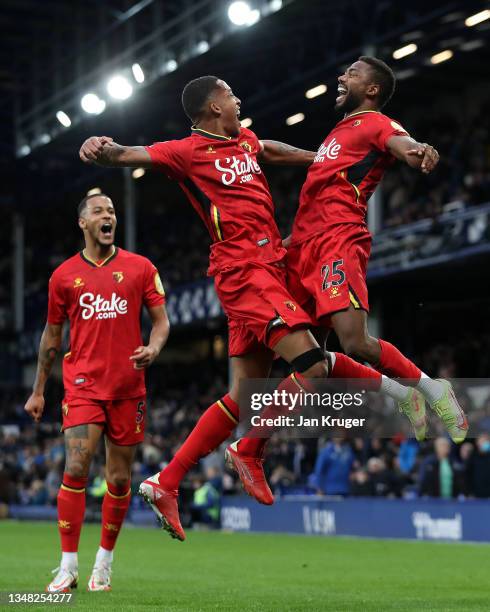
<point x="103" y="303"/>
<point x="348" y="166"/>
<point x="225" y="184"/>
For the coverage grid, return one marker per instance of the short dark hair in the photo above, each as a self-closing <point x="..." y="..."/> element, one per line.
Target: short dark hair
<point x="83" y="203"/>
<point x="195" y="95"/>
<point x="383" y="76"/>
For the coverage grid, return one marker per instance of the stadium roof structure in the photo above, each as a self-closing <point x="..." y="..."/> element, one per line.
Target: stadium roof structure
<point x="56" y="51"/>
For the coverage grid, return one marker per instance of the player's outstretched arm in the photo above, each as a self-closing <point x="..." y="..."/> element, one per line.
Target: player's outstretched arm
<point x="103" y="151"/>
<point x="279" y="153"/>
<point x="49" y="347"/>
<point x="144" y="356"/>
<point x="418" y="155"/>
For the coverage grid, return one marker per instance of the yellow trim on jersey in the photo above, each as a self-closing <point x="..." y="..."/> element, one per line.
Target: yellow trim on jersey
<point x="119" y="496"/>
<point x="227" y="412"/>
<point x="104" y="261"/>
<point x="293" y="376"/>
<point x="215" y="214"/>
<point x="361" y="113"/>
<point x="358" y="193"/>
<point x="354" y="302"/>
<point x="220" y="136"/>
<point x="65" y="488"/>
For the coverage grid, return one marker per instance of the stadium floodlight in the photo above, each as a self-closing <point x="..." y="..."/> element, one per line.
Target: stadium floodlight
<point x="92" y="104"/>
<point x="275" y="5"/>
<point x="24" y="150"/>
<point x="202" y="46"/>
<point x="297" y="118"/>
<point x="253" y="17"/>
<point x="477" y="18"/>
<point x="404" y="51"/>
<point x="443" y="56"/>
<point x="138" y="173"/>
<point x="94" y="191"/>
<point x="171" y="65"/>
<point x="239" y="13"/>
<point x="471" y="45"/>
<point x="119" y="88"/>
<point x="246" y="123"/>
<point x="44" y="138"/>
<point x="316" y="91"/>
<point x="405" y="74"/>
<point x="63" y="119"/>
<point x="139" y="75"/>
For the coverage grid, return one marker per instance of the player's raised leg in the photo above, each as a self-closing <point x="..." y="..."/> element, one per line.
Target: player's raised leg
<point x="80" y="444"/>
<point x="115" y="504"/>
<point x="309" y="362"/>
<point x="214" y="427"/>
<point x="351" y="328"/>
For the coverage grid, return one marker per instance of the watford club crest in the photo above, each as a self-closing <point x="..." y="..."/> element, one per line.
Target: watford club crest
<point x="211" y="149"/>
<point x="247" y="146"/>
<point x="118" y="277"/>
<point x="290" y="305"/>
<point x="78" y="282"/>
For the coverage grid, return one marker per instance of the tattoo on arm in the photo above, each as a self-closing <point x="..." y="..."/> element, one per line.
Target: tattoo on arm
<point x="48" y="350"/>
<point x="283" y="147"/>
<point x="110" y="154"/>
<point x="47" y="358"/>
<point x="276" y="152"/>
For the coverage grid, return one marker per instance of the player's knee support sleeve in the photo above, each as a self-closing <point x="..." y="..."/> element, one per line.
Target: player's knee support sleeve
<point x="304" y="362"/>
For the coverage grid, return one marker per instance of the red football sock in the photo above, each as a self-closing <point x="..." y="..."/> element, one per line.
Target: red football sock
<point x="214" y="426"/>
<point x="345" y="367"/>
<point x="114" y="508"/>
<point x="252" y="444"/>
<point x="71" y="510"/>
<point x="393" y="364"/>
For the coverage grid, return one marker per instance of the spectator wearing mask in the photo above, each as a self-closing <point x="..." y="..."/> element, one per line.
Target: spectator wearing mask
<point x="440" y="475"/>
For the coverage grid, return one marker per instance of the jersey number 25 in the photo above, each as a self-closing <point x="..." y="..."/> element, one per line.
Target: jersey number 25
<point x="333" y="275"/>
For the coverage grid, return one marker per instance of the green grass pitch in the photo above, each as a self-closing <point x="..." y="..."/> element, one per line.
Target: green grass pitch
<point x="221" y="571"/>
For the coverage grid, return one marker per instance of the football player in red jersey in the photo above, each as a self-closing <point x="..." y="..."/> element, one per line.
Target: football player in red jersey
<point x="330" y="242"/>
<point x="218" y="168"/>
<point x="101" y="292"/>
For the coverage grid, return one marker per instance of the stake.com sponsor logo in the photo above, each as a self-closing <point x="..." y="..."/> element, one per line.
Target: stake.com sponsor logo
<point x="102" y="308"/>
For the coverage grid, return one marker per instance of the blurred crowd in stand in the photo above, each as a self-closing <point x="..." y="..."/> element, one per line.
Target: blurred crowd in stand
<point x="32" y="457"/>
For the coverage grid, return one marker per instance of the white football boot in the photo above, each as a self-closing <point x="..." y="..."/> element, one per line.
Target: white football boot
<point x="64" y="581"/>
<point x="100" y="580"/>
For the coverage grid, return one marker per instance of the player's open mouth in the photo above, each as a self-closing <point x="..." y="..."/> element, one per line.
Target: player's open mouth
<point x="342" y="91"/>
<point x="106" y="229"/>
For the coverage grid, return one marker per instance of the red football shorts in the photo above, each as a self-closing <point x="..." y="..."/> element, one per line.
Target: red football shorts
<point x="259" y="307"/>
<point x="123" y="420"/>
<point x="327" y="272"/>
